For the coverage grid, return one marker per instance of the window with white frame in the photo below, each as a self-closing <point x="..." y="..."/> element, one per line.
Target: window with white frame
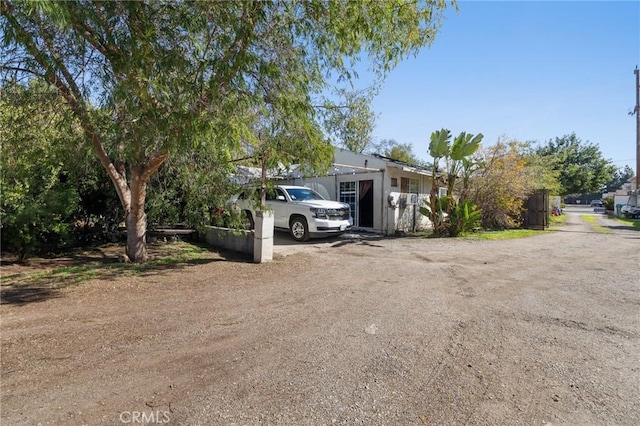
<point x="349" y="195"/>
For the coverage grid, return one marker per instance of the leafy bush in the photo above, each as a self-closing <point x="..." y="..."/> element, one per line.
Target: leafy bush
<point x="37" y="213"/>
<point x="464" y="218"/>
<point x="38" y="197"/>
<point x="609" y="203"/>
<point x="508" y="174"/>
<point x="458" y="161"/>
<point x="192" y="189"/>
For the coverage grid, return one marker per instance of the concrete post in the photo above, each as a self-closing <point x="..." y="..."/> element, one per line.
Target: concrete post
<point x="263" y="237"/>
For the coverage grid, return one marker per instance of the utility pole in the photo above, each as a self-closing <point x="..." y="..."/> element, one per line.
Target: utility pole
<point x="636" y="111"/>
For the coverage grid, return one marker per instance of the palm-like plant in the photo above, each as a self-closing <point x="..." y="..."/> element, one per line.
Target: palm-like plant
<point x="457" y="160"/>
<point x="438" y="148"/>
<point x="464" y="146"/>
<point x="465" y="217"/>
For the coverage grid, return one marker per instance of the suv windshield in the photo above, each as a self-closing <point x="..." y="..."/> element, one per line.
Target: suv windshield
<point x="300" y="194"/>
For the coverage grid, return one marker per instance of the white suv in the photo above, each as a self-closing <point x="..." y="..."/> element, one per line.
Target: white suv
<point x="301" y="211"/>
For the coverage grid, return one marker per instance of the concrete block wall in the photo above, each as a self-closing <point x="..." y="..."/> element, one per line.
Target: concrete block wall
<point x="230" y="239"/>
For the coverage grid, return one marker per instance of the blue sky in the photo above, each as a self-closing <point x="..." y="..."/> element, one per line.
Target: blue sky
<point x="524" y="70"/>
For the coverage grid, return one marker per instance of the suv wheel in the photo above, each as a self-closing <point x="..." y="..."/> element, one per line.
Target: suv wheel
<point x="299" y="228"/>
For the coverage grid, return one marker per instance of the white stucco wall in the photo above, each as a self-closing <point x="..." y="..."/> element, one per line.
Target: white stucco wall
<point x="409" y="218"/>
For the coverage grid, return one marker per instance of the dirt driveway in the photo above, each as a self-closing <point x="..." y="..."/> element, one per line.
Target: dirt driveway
<point x="542" y="330"/>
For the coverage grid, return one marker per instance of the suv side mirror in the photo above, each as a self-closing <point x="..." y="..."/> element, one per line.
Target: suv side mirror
<point x="280" y="198"/>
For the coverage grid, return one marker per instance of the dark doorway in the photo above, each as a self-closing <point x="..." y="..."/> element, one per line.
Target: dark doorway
<point x="365" y="204"/>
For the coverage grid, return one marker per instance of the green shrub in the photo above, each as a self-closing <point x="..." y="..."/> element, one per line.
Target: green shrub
<point x="37" y="213"/>
<point x="608" y="203"/>
<point x="38" y="197"/>
<point x="464" y="218"/>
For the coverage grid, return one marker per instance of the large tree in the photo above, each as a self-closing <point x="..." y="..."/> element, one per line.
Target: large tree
<point x="580" y="165"/>
<point x="350" y="123"/>
<point x="398" y="151"/>
<point x="171" y="75"/>
<point x="620" y="177"/>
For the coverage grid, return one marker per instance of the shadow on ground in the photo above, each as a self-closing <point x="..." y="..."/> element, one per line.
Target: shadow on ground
<point x="26" y="294"/>
<point x="621" y="227"/>
<point x="42" y="278"/>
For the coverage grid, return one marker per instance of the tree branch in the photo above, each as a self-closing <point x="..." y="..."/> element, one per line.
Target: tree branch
<point x="154" y="164"/>
<point x="20" y="69"/>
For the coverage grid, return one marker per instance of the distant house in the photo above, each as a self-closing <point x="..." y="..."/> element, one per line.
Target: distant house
<point x="385" y="194"/>
<point x="627" y="194"/>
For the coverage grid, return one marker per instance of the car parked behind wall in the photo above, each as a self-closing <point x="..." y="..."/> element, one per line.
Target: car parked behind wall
<point x="301" y="211"/>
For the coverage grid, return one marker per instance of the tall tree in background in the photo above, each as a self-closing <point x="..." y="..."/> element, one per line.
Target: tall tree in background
<point x="174" y="75"/>
<point x="620" y="177"/>
<point x="396" y="150"/>
<point x="580" y="165"/>
<point x="350" y="124"/>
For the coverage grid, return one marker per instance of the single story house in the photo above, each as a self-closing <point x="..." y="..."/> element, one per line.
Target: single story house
<point x="385" y="194"/>
<point x="626" y="195"/>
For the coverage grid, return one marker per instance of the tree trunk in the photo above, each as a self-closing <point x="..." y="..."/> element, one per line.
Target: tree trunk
<point x="433" y="200"/>
<point x="263" y="181"/>
<point x="136" y="219"/>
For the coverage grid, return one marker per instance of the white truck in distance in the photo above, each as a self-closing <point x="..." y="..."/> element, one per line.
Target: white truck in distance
<point x="301" y="211"/>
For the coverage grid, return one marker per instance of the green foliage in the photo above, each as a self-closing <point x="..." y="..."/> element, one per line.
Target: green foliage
<point x="99" y="212"/>
<point x="463" y="147"/>
<point x="402" y="152"/>
<point x="38" y="198"/>
<point x="508" y="234"/>
<point x="635" y="223"/>
<point x="620" y="177"/>
<point x="172" y="75"/>
<point x="558" y="220"/>
<point x="439" y="144"/>
<point x="501" y="185"/>
<point x="350" y="123"/>
<point x="509" y="171"/>
<point x="438" y="207"/>
<point x="396" y="150"/>
<point x="166" y="256"/>
<point x="457" y="157"/>
<point x="191" y="189"/>
<point x="580" y="165"/>
<point x="438" y="148"/>
<point x="458" y="218"/>
<point x="36" y="218"/>
<point x="540" y="172"/>
<point x="465" y="217"/>
<point x="608" y="203"/>
<point x="469" y="166"/>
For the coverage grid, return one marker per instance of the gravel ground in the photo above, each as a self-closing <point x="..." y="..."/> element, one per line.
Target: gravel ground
<point x="359" y="330"/>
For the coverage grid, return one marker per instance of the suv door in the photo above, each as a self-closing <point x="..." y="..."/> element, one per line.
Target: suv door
<point x="279" y="207"/>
